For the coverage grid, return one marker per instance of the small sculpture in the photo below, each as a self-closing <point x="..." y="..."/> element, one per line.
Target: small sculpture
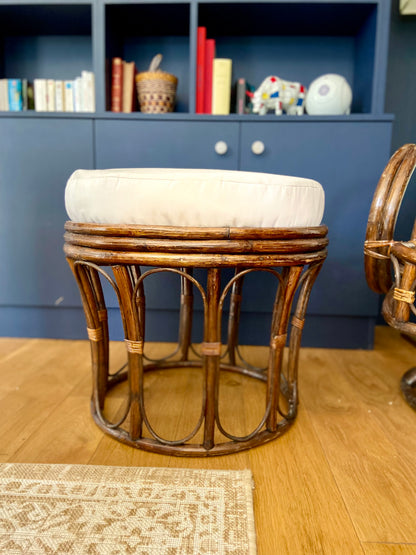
<point x="278" y="95"/>
<point x="329" y="95"/>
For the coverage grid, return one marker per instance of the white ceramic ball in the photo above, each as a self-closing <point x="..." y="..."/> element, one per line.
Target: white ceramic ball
<point x="329" y="95"/>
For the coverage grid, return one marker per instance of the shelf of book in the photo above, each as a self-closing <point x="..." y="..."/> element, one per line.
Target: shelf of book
<point x="295" y="39"/>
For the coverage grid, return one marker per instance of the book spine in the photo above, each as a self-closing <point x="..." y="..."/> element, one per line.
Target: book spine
<point x="88" y="88"/>
<point x="59" y="96"/>
<point x="129" y="71"/>
<point x="240" y="104"/>
<point x="24" y="94"/>
<point x="4" y="95"/>
<point x="78" y="107"/>
<point x="221" y="86"/>
<point x="209" y="59"/>
<point x="116" y="85"/>
<point x="40" y="94"/>
<point x="50" y="95"/>
<point x="200" y="68"/>
<point x="15" y="95"/>
<point x="30" y="96"/>
<point x="69" y="96"/>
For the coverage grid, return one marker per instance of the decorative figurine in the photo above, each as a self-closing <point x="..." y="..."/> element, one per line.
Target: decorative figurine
<point x="278" y="95"/>
<point x="329" y="95"/>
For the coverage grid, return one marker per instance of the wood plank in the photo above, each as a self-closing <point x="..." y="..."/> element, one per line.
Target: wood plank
<point x="67" y="435"/>
<point x="298" y="506"/>
<point x="389" y="549"/>
<point x="341" y="394"/>
<point x="31" y="387"/>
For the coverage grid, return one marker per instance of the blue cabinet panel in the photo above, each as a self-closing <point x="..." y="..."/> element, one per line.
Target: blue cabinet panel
<point x="36" y="158"/>
<point x="347" y="159"/>
<point x="165" y="144"/>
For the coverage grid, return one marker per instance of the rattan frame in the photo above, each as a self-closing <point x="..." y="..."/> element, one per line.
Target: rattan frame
<point x="390" y="265"/>
<point x="294" y="256"/>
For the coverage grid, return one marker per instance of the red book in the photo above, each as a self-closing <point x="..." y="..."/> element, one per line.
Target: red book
<point x="209" y="57"/>
<point x="116" y="85"/>
<point x="200" y="71"/>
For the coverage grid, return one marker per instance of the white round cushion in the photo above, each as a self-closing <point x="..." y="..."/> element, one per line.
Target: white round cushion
<point x="196" y="198"/>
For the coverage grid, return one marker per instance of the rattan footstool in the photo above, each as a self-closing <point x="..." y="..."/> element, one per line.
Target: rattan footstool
<point x="128" y="224"/>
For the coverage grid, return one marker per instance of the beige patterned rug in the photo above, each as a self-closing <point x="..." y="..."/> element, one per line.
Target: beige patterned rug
<point x="83" y="509"/>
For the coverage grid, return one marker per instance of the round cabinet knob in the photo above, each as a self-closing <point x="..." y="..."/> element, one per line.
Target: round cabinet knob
<point x="221" y="147"/>
<point x="257" y="147"/>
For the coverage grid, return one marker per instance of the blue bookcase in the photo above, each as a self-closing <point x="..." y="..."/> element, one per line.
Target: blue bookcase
<point x="296" y="40"/>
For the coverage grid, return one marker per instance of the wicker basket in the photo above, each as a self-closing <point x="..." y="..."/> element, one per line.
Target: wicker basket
<point x="156" y="89"/>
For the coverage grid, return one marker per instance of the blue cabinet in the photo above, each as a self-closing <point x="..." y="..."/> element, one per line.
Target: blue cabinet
<point x="36" y="158"/>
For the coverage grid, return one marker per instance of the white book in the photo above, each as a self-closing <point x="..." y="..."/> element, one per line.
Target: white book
<point x="69" y="96"/>
<point x="59" y="96"/>
<point x="40" y="93"/>
<point x="4" y="95"/>
<point x="50" y="96"/>
<point x="78" y="95"/>
<point x="88" y="91"/>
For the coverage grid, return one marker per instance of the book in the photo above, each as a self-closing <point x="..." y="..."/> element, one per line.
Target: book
<point x="116" y="85"/>
<point x="24" y="94"/>
<point x="59" y="96"/>
<point x="129" y="87"/>
<point x="50" y="95"/>
<point x="40" y="95"/>
<point x="243" y="96"/>
<point x="78" y="100"/>
<point x="221" y="86"/>
<point x="28" y="94"/>
<point x="15" y="95"/>
<point x="69" y="96"/>
<point x="209" y="58"/>
<point x="88" y="91"/>
<point x="200" y="68"/>
<point x="4" y="95"/>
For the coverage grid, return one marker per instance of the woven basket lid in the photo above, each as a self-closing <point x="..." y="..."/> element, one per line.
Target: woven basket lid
<point x="154" y="73"/>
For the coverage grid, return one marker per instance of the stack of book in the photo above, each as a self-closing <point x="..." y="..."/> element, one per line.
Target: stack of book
<point x="213" y="78"/>
<point x="49" y="95"/>
<point x="123" y="87"/>
<point x="214" y="91"/>
<point x="16" y="95"/>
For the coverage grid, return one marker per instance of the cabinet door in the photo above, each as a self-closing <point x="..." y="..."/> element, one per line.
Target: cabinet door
<point x="347" y="158"/>
<point x="36" y="158"/>
<point x="165" y="144"/>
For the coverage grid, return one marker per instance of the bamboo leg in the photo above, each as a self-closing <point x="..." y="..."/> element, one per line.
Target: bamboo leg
<point x="185" y="318"/>
<point x="283" y="304"/>
<point x="134" y="341"/>
<point x="94" y="311"/>
<point x="298" y="322"/>
<point x="234" y="318"/>
<point x="211" y="349"/>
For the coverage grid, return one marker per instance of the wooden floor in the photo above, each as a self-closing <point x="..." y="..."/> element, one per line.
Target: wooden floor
<point x="342" y="480"/>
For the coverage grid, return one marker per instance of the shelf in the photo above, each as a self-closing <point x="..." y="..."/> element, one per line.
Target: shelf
<point x="137" y="32"/>
<point x="177" y="116"/>
<point x="45" y="41"/>
<point x="296" y="40"/>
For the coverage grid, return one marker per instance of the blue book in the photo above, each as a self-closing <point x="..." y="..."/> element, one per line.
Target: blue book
<point x="15" y="95"/>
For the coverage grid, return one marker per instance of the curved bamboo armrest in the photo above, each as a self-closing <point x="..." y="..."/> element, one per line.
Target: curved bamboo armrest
<point x="383" y="216"/>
